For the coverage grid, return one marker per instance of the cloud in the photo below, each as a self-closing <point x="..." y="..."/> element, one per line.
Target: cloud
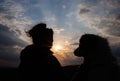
<point x="11" y="9"/>
<point x="8" y="37"/>
<point x="112" y="28"/>
<point x="9" y="52"/>
<point x="116" y="49"/>
<point x="100" y="15"/>
<point x="64" y="6"/>
<point x="84" y="10"/>
<point x="112" y="4"/>
<point x="8" y="63"/>
<point x="58" y="30"/>
<point x="9" y="56"/>
<point x="11" y="16"/>
<point x="75" y="44"/>
<point x="118" y="17"/>
<point x="102" y="19"/>
<point x="10" y="46"/>
<point x="12" y="25"/>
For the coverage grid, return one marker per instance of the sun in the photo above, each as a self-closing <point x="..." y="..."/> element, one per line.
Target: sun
<point x="57" y="47"/>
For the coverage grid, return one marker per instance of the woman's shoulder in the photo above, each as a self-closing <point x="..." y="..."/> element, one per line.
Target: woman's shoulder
<point x="25" y="50"/>
<point x="29" y="47"/>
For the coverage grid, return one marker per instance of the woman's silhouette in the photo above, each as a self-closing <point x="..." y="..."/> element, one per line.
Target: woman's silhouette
<point x="37" y="60"/>
<point x="99" y="63"/>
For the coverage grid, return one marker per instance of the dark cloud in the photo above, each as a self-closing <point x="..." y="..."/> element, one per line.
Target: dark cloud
<point x="75" y="44"/>
<point x="9" y="54"/>
<point x="9" y="37"/>
<point x="10" y="45"/>
<point x="116" y="49"/>
<point x="2" y="9"/>
<point x="12" y="37"/>
<point x="118" y="17"/>
<point x="114" y="31"/>
<point x="84" y="10"/>
<point x="111" y="27"/>
<point x="8" y="63"/>
<point x="9" y="17"/>
<point x="111" y="22"/>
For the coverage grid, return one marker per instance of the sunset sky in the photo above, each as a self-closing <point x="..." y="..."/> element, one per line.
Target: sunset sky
<point x="69" y="19"/>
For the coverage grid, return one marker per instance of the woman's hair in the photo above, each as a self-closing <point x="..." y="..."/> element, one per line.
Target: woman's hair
<point x="41" y="35"/>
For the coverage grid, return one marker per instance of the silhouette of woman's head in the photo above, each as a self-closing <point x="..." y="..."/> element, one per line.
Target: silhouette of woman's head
<point x="41" y="35"/>
<point x="93" y="46"/>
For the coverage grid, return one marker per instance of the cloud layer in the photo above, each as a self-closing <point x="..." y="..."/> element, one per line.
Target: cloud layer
<point x="12" y="34"/>
<point x="69" y="20"/>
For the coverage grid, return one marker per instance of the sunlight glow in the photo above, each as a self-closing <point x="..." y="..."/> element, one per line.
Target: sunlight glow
<point x="58" y="47"/>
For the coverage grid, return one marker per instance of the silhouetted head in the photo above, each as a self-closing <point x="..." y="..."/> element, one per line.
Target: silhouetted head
<point x="41" y="35"/>
<point x="93" y="46"/>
